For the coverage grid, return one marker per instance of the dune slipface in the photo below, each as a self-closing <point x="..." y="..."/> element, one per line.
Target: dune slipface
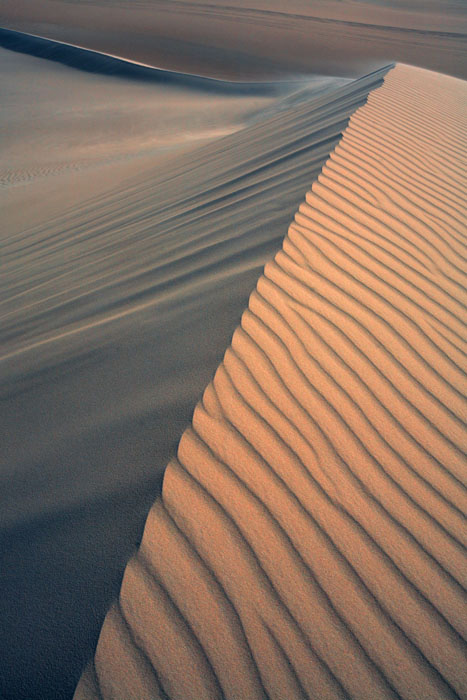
<point x="115" y="313"/>
<point x="309" y="538"/>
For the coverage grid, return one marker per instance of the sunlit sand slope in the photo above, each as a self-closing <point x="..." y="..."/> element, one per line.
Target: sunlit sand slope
<point x="114" y="317"/>
<point x="308" y="542"/>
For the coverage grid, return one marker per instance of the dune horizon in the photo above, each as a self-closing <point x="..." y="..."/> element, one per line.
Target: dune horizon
<point x="310" y="537"/>
<point x="257" y="38"/>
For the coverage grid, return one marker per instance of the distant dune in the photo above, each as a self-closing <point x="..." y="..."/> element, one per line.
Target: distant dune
<point x="309" y="542"/>
<point x="76" y="123"/>
<point x="95" y="62"/>
<point x="257" y="38"/>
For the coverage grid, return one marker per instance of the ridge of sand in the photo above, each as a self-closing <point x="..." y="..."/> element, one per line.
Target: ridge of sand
<point x="115" y="314"/>
<point x="309" y="541"/>
<point x="144" y="236"/>
<point x="78" y="124"/>
<point x="93" y="61"/>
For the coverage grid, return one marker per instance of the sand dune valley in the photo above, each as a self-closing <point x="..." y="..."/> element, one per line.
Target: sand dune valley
<point x="233" y="350"/>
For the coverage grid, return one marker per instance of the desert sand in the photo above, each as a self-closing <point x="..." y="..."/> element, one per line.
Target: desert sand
<point x="252" y="38"/>
<point x="310" y="534"/>
<point x="76" y="124"/>
<point x="310" y="538"/>
<point x="123" y="276"/>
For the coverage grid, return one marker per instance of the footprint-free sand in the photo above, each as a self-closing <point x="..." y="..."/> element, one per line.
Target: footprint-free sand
<point x="310" y="538"/>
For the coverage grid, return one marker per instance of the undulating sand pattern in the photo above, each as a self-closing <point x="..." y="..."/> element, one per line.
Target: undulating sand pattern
<point x="309" y="542"/>
<point x="115" y="313"/>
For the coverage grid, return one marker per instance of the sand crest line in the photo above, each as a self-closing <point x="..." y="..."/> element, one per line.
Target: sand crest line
<point x="310" y="540"/>
<point x="162" y="232"/>
<point x="7" y="37"/>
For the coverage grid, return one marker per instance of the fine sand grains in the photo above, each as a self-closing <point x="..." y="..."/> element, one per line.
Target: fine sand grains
<point x="310" y="538"/>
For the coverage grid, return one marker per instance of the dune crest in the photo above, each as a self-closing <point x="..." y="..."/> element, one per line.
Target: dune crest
<point x="104" y="299"/>
<point x="309" y="542"/>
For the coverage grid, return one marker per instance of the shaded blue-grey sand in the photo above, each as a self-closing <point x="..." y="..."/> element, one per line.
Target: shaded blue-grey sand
<point x="119" y="312"/>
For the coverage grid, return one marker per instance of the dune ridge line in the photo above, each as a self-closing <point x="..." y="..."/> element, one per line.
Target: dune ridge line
<point x="94" y="61"/>
<point x="310" y="538"/>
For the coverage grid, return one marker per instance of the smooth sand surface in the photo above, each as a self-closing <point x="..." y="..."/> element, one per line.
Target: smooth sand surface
<point x="75" y="124"/>
<point x="257" y="37"/>
<point x="115" y="314"/>
<point x="310" y="539"/>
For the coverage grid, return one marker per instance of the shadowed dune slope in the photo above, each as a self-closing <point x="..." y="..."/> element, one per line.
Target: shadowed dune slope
<point x="309" y="542"/>
<point x="114" y="318"/>
<point x="164" y="229"/>
<point x="68" y="113"/>
<point x="104" y="64"/>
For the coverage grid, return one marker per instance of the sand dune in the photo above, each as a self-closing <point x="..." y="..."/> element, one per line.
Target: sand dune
<point x="254" y="38"/>
<point x="310" y="539"/>
<point x="104" y="64"/>
<point x="76" y="124"/>
<point x="115" y="314"/>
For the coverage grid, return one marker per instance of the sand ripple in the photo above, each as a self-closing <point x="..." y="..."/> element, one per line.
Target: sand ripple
<point x="309" y="542"/>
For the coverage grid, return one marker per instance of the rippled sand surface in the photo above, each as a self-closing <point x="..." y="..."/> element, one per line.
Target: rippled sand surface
<point x="139" y="206"/>
<point x="122" y="281"/>
<point x="310" y="538"/>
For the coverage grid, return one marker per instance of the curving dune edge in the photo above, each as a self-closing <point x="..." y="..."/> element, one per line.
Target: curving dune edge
<point x="310" y="539"/>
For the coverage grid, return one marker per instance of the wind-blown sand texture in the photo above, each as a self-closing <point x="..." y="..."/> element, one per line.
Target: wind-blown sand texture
<point x="309" y="538"/>
<point x="114" y="316"/>
<point x="75" y="123"/>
